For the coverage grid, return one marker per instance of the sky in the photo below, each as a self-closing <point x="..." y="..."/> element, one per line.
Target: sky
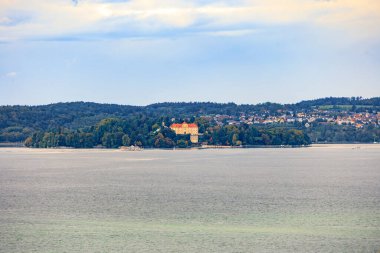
<point x="140" y="52"/>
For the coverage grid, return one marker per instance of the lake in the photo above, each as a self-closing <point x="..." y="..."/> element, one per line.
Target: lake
<point x="318" y="199"/>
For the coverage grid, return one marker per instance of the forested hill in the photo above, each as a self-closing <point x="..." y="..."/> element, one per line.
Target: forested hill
<point x="72" y="115"/>
<point x="340" y="101"/>
<point x="19" y="122"/>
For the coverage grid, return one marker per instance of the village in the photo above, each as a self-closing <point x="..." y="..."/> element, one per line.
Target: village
<point x="315" y="116"/>
<point x="305" y="119"/>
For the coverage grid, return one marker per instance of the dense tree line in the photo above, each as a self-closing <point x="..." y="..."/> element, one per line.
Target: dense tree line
<point x="336" y="101"/>
<point x="145" y="132"/>
<point x="20" y="122"/>
<point x="111" y="133"/>
<point x="321" y="133"/>
<point x="251" y="135"/>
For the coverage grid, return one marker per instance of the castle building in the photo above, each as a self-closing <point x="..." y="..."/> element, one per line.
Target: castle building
<point x="186" y="128"/>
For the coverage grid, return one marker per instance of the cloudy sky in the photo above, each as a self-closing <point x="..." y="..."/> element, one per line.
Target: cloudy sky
<point x="144" y="51"/>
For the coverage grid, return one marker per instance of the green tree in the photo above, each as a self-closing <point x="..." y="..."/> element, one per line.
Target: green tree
<point x="107" y="140"/>
<point x="126" y="140"/>
<point x="235" y="139"/>
<point x="182" y="144"/>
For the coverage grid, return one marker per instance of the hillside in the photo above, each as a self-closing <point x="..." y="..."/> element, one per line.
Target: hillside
<point x="19" y="122"/>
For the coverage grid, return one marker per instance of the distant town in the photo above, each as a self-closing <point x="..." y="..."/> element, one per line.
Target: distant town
<point x="317" y="116"/>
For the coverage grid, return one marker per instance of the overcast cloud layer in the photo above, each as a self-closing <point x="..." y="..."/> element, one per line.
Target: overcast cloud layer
<point x="142" y="51"/>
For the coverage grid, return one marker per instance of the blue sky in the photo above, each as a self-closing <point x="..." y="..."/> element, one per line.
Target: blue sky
<point x="142" y="51"/>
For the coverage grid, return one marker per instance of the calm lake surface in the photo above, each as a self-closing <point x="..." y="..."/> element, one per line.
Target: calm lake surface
<point x="320" y="199"/>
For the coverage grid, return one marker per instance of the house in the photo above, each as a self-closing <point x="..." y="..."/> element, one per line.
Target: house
<point x="186" y="128"/>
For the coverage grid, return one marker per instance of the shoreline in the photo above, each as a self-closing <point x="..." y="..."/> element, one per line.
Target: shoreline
<point x="312" y="146"/>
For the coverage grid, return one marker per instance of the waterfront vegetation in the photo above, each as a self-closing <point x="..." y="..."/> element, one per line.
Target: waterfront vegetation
<point x="87" y="125"/>
<point x="141" y="131"/>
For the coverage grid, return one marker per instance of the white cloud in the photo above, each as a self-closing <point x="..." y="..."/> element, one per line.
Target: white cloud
<point x="11" y="74"/>
<point x="5" y="20"/>
<point x="232" y="33"/>
<point x="61" y="18"/>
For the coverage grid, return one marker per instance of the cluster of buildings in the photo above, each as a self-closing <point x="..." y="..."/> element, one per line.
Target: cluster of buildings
<point x="186" y="128"/>
<point x="315" y="116"/>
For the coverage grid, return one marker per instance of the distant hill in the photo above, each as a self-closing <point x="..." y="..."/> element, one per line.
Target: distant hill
<point x="19" y="122"/>
<point x="339" y="101"/>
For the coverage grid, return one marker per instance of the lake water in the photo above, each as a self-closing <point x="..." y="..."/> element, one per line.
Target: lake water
<point x="320" y="199"/>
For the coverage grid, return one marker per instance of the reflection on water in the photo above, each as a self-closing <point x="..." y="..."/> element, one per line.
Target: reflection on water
<point x="240" y="200"/>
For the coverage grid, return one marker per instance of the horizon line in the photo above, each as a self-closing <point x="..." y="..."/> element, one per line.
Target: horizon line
<point x="188" y="102"/>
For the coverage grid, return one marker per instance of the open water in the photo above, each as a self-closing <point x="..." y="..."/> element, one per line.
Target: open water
<point x="320" y="199"/>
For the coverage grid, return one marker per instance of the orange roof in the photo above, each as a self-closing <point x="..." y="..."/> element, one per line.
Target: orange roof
<point x="191" y="125"/>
